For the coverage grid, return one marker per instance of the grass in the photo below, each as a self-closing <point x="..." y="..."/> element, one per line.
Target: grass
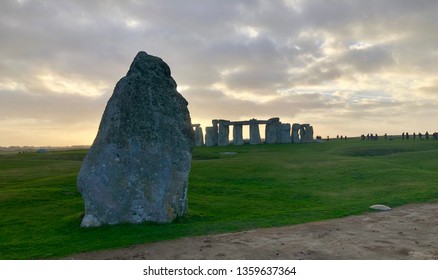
<point x="260" y="186"/>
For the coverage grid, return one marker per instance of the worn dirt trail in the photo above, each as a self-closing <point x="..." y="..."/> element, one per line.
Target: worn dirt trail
<point x="407" y="232"/>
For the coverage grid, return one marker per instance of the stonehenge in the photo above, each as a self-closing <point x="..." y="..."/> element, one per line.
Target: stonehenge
<point x="275" y="132"/>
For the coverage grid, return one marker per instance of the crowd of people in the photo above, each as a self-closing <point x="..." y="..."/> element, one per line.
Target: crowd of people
<point x="371" y="136"/>
<point x="375" y="136"/>
<point x="419" y="135"/>
<point x="404" y="136"/>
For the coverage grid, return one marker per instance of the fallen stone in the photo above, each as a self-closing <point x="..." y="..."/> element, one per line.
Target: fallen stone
<point x="228" y="153"/>
<point x="380" y="207"/>
<point x="138" y="166"/>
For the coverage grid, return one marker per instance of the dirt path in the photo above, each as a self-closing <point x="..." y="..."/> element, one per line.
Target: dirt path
<point x="407" y="232"/>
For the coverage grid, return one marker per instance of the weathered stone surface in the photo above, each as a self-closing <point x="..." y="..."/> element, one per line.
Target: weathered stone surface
<point x="295" y="136"/>
<point x="273" y="132"/>
<point x="303" y="133"/>
<point x="212" y="134"/>
<point x="199" y="136"/>
<point x="237" y="134"/>
<point x="254" y="133"/>
<point x="138" y="166"/>
<point x="210" y="137"/>
<point x="224" y="132"/>
<point x="215" y="135"/>
<point x="310" y="134"/>
<point x="285" y="133"/>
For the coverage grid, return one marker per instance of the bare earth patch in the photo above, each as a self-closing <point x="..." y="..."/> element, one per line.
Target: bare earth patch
<point x="407" y="232"/>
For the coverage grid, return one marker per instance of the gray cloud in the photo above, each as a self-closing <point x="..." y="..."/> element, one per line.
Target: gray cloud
<point x="368" y="60"/>
<point x="233" y="59"/>
<point x="65" y="109"/>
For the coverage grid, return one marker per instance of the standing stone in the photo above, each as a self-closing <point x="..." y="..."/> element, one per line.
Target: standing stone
<point x="295" y="137"/>
<point x="223" y="134"/>
<point x="199" y="136"/>
<point x="285" y="133"/>
<point x="273" y="132"/>
<point x="138" y="166"/>
<point x="254" y="132"/>
<point x="303" y="133"/>
<point x="210" y="137"/>
<point x="215" y="135"/>
<point x="277" y="128"/>
<point x="237" y="134"/>
<point x="310" y="134"/>
<point x="270" y="133"/>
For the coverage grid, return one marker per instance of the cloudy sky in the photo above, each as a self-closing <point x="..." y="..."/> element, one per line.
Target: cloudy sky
<point x="346" y="67"/>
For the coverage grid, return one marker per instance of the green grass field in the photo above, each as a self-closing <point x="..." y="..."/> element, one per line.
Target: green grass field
<point x="260" y="186"/>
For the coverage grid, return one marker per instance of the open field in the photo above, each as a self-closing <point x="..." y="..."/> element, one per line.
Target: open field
<point x="260" y="186"/>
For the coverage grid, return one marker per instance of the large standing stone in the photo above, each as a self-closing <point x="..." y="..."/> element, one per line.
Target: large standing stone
<point x="285" y="133"/>
<point x="237" y="134"/>
<point x="295" y="136"/>
<point x="210" y="136"/>
<point x="215" y="135"/>
<point x="254" y="132"/>
<point x="199" y="136"/>
<point x="273" y="132"/>
<point x="303" y="133"/>
<point x="138" y="166"/>
<point x="224" y="133"/>
<point x="310" y="134"/>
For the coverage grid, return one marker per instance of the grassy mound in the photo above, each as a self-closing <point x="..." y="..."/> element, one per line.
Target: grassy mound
<point x="230" y="189"/>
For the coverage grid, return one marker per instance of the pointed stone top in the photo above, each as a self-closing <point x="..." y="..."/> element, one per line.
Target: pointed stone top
<point x="144" y="63"/>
